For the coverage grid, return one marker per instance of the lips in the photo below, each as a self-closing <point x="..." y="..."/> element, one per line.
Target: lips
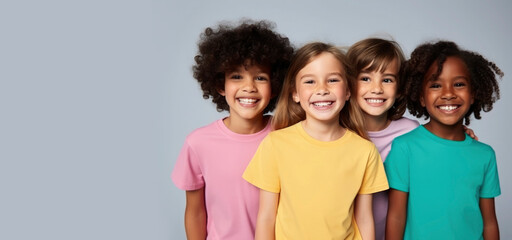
<point x="322" y="104"/>
<point x="448" y="108"/>
<point x="247" y="100"/>
<point x="375" y="100"/>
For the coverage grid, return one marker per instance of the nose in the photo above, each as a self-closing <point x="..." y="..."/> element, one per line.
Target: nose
<point x="322" y="89"/>
<point x="376" y="87"/>
<point x="448" y="93"/>
<point x="249" y="86"/>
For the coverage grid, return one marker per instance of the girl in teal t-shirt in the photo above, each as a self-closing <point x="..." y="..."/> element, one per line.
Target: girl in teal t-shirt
<point x="443" y="183"/>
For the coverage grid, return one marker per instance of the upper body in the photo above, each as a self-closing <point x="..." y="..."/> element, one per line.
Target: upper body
<point x="214" y="158"/>
<point x="437" y="165"/>
<point x="445" y="181"/>
<point x="317" y="181"/>
<point x="241" y="69"/>
<point x="382" y="140"/>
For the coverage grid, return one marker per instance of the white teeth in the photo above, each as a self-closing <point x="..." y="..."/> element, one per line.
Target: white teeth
<point x="247" y="100"/>
<point x="448" y="108"/>
<point x="372" y="100"/>
<point x="322" y="104"/>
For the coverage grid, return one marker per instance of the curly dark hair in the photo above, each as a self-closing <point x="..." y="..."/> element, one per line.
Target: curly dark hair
<point x="226" y="47"/>
<point x="482" y="72"/>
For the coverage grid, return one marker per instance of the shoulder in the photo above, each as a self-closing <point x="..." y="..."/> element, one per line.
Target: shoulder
<point x="285" y="132"/>
<point x="354" y="138"/>
<point x="411" y="136"/>
<point x="407" y="122"/>
<point x="481" y="147"/>
<point x="205" y="132"/>
<point x="277" y="138"/>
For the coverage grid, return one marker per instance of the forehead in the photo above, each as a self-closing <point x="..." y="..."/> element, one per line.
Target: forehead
<point x="382" y="65"/>
<point x="250" y="66"/>
<point x="324" y="62"/>
<point x="453" y="67"/>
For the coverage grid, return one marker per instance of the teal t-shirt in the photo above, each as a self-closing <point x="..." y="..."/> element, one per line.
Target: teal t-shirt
<point x="445" y="180"/>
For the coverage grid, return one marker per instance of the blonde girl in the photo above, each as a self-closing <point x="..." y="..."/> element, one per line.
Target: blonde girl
<point x="317" y="172"/>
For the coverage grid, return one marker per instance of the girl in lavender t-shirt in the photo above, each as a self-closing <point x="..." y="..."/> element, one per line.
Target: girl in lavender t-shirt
<point x="377" y="64"/>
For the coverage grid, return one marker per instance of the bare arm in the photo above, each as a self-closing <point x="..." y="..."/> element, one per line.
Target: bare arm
<point x="195" y="215"/>
<point x="265" y="225"/>
<point x="397" y="214"/>
<point x="363" y="214"/>
<point x="491" y="229"/>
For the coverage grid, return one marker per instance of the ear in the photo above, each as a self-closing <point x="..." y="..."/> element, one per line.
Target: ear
<point x="348" y="95"/>
<point x="295" y="97"/>
<point x="221" y="92"/>
<point x="422" y="101"/>
<point x="472" y="98"/>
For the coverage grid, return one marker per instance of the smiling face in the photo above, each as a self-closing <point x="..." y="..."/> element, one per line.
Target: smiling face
<point x="448" y="97"/>
<point x="247" y="90"/>
<point x="377" y="91"/>
<point x="321" y="89"/>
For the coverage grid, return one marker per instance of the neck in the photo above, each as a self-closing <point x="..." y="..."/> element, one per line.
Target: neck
<point x="322" y="131"/>
<point x="246" y="126"/>
<point x="449" y="132"/>
<point x="376" y="123"/>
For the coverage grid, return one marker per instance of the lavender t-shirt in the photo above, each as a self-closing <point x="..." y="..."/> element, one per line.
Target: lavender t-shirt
<point x="215" y="158"/>
<point x="382" y="139"/>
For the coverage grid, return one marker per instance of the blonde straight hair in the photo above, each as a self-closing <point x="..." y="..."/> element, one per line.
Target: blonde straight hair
<point x="288" y="112"/>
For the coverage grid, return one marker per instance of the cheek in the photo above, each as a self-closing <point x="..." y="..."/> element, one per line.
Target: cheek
<point x="391" y="91"/>
<point x="361" y="90"/>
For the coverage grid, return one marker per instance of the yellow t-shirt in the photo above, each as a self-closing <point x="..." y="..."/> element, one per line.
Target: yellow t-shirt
<point x="317" y="181"/>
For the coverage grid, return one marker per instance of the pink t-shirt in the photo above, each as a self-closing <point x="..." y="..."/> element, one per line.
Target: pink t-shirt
<point x="382" y="140"/>
<point x="215" y="158"/>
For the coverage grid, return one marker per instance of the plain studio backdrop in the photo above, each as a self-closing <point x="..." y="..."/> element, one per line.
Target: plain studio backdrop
<point x="97" y="97"/>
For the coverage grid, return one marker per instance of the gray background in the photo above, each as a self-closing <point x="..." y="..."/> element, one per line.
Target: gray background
<point x="96" y="98"/>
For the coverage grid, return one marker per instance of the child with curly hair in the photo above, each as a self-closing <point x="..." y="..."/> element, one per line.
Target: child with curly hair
<point x="317" y="172"/>
<point x="242" y="69"/>
<point x="443" y="182"/>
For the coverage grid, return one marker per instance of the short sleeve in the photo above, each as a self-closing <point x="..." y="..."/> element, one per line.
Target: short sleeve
<point x="491" y="185"/>
<point x="374" y="179"/>
<point x="397" y="166"/>
<point x="187" y="174"/>
<point x="262" y="171"/>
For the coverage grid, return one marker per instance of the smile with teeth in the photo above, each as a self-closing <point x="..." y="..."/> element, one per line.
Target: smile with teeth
<point x="448" y="107"/>
<point x="374" y="100"/>
<point x="322" y="104"/>
<point x="247" y="100"/>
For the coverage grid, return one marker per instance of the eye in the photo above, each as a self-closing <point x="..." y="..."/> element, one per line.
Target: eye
<point x="434" y="85"/>
<point x="460" y="84"/>
<point x="309" y="81"/>
<point x="333" y="80"/>
<point x="388" y="80"/>
<point x="236" y="76"/>
<point x="261" y="78"/>
<point x="365" y="79"/>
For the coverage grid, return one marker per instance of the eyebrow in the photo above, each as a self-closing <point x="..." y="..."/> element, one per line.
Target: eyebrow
<point x="385" y="74"/>
<point x="329" y="74"/>
<point x="432" y="79"/>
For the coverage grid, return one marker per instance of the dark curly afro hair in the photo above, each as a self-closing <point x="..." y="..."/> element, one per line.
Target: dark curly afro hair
<point x="226" y="47"/>
<point x="483" y="73"/>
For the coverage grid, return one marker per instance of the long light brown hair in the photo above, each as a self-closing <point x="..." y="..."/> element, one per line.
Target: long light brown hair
<point x="288" y="112"/>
